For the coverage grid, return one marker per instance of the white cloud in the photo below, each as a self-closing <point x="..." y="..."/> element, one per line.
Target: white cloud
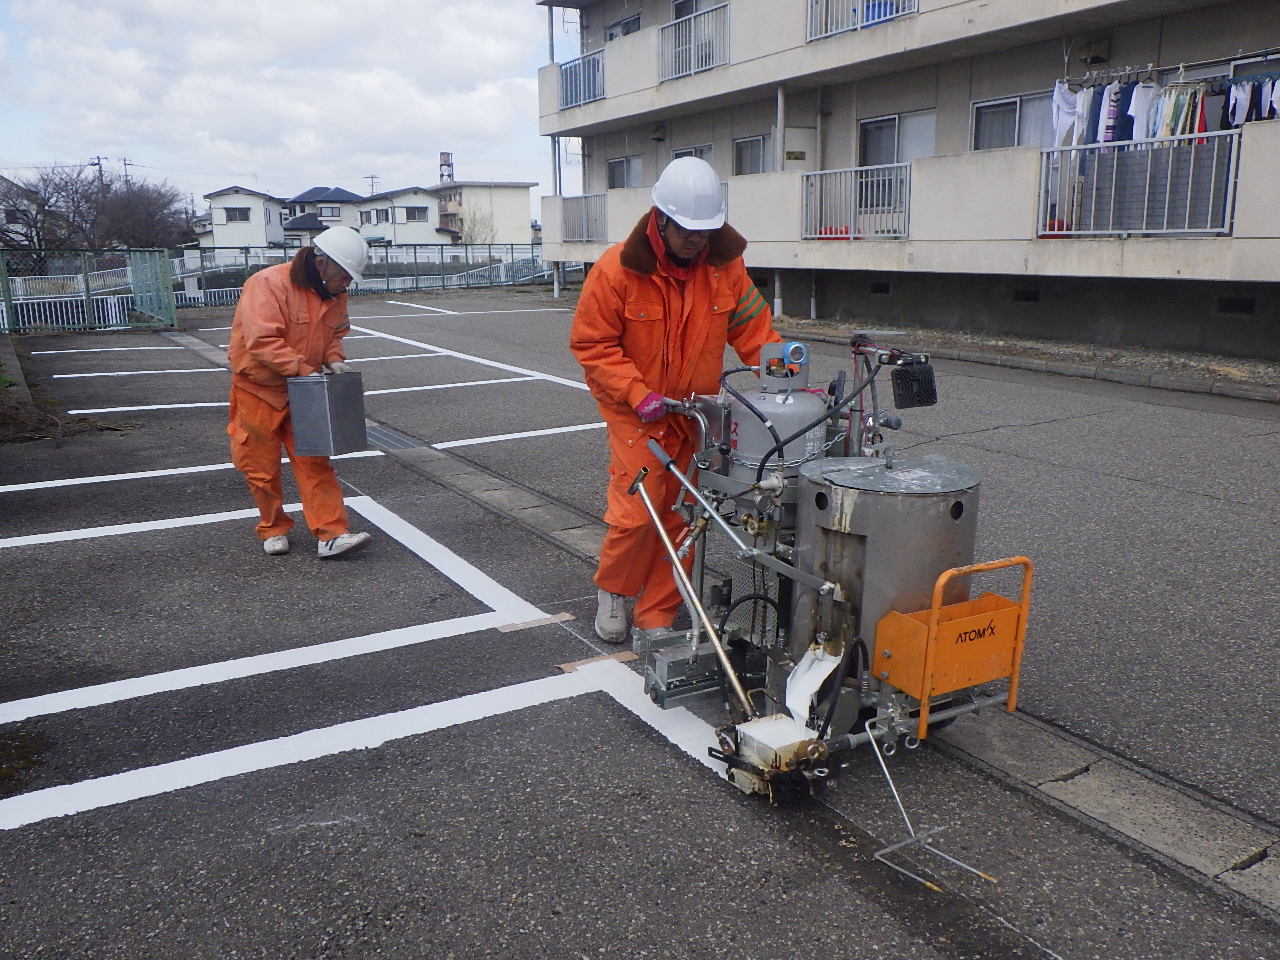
<point x="282" y="95"/>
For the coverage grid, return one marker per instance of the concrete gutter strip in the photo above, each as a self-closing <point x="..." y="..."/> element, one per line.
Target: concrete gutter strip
<point x="1227" y="388"/>
<point x="11" y="368"/>
<point x="198" y="346"/>
<point x="1206" y="840"/>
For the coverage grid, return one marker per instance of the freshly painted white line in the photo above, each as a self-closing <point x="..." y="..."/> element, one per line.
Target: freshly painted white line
<point x="516" y="436"/>
<point x="448" y="386"/>
<point x="104" y="349"/>
<point x="576" y="384"/>
<point x="135" y="373"/>
<point x="679" y="726"/>
<point x="213" y="328"/>
<point x="506" y="607"/>
<point x="151" y="406"/>
<point x="143" y="474"/>
<point x="418" y="306"/>
<point x="480" y="585"/>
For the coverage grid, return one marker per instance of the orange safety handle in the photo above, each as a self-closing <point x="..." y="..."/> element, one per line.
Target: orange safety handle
<point x="935" y="614"/>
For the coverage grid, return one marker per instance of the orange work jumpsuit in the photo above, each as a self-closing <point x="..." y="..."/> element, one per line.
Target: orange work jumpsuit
<point x="282" y="328"/>
<point x="638" y="329"/>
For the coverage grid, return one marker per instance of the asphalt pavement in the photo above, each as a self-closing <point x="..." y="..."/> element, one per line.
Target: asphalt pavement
<point x="208" y="752"/>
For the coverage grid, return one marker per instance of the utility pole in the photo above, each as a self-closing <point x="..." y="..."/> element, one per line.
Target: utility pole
<point x="127" y="165"/>
<point x="373" y="178"/>
<point x="97" y="162"/>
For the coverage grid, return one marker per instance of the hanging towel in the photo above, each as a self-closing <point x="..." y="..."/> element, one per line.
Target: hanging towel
<point x="1064" y="113"/>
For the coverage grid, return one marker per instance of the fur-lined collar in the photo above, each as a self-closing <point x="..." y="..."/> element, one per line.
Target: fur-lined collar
<point x="724" y="246"/>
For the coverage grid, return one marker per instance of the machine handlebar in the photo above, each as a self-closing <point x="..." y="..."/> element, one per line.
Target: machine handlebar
<point x="656" y="449"/>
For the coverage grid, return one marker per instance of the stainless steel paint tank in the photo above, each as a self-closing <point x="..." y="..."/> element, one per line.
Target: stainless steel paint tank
<point x="750" y="439"/>
<point x="884" y="530"/>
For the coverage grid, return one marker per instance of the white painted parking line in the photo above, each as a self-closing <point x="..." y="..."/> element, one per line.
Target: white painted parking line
<point x="576" y="384"/>
<point x="450" y="386"/>
<point x="149" y="406"/>
<point x="135" y="373"/>
<point x="145" y="474"/>
<point x="461" y="313"/>
<point x="103" y="350"/>
<point x="688" y="732"/>
<point x="399" y="356"/>
<point x="213" y="328"/>
<point x="505" y="606"/>
<point x="418" y="306"/>
<point x="496" y="438"/>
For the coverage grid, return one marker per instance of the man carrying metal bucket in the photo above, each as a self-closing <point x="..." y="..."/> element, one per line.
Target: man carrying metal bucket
<point x="290" y="322"/>
<point x="654" y="317"/>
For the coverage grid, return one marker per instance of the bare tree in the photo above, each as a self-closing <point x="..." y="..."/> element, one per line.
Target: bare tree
<point x="61" y="208"/>
<point x="478" y="227"/>
<point x="56" y="208"/>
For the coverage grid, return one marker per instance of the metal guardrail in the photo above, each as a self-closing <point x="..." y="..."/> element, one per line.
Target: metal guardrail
<point x="858" y="203"/>
<point x="582" y="80"/>
<point x="829" y="17"/>
<point x="1170" y="185"/>
<point x="694" y="43"/>
<point x="584" y="218"/>
<point x="68" y="313"/>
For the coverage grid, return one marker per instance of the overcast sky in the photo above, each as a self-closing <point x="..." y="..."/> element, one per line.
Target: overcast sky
<point x="278" y="95"/>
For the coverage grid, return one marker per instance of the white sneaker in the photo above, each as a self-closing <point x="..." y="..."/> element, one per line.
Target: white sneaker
<point x="276" y="546"/>
<point x="343" y="543"/>
<point x="611" y="617"/>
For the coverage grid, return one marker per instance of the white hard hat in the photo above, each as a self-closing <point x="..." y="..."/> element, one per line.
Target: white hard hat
<point x="344" y="247"/>
<point x="690" y="193"/>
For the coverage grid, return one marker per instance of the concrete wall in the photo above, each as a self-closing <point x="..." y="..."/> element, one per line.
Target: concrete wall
<point x="1185" y="315"/>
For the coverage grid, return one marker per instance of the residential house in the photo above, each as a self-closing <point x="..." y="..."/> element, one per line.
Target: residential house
<point x="241" y="217"/>
<point x="316" y="210"/>
<point x="901" y="161"/>
<point x="400" y="216"/>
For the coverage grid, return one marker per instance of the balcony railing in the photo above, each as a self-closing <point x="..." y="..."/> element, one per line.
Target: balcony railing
<point x="696" y="43"/>
<point x="829" y="17"/>
<point x="582" y="80"/>
<point x="583" y="218"/>
<point x="860" y="203"/>
<point x="1172" y="185"/>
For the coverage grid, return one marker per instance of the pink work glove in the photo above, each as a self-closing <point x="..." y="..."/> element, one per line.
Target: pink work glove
<point x="651" y="408"/>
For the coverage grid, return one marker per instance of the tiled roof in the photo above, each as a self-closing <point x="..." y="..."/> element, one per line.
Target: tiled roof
<point x="326" y="195"/>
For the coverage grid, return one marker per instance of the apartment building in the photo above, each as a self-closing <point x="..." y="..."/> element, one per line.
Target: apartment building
<point x="903" y="161"/>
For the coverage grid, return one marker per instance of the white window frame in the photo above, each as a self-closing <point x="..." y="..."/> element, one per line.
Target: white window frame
<point x="766" y="154"/>
<point x="631" y="175"/>
<point x="701" y="150"/>
<point x="1017" y="100"/>
<point x="897" y="146"/>
<point x="329" y="213"/>
<point x="622" y="27"/>
<point x="366" y="217"/>
<point x="247" y="211"/>
<point x="417" y="214"/>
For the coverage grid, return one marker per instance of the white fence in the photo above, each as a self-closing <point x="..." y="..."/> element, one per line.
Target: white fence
<point x="858" y="203"/>
<point x="67" y="313"/>
<point x="582" y="80"/>
<point x="1171" y="185"/>
<point x="694" y="43"/>
<point x="584" y="218"/>
<point x="829" y="17"/>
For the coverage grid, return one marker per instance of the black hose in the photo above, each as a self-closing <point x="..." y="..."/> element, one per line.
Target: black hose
<point x="724" y="382"/>
<point x="854" y="650"/>
<point x="743" y="599"/>
<point x="827" y="415"/>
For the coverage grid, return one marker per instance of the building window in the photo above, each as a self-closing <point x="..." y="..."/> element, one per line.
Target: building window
<point x="412" y="214"/>
<point x="624" y="172"/>
<point x="896" y="139"/>
<point x="384" y="215"/>
<point x="620" y="28"/>
<point x="366" y="216"/>
<point x="687" y="8"/>
<point x="237" y="214"/>
<point x="752" y="155"/>
<point x="12" y="216"/>
<point x="328" y="213"/>
<point x="702" y="152"/>
<point x="1024" y="121"/>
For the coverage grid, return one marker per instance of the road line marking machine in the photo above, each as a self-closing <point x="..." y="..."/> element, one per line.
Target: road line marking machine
<point x="859" y="627"/>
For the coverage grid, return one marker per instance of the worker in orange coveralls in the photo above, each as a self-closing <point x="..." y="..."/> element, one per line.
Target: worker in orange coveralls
<point x="290" y="322"/>
<point x="652" y="322"/>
